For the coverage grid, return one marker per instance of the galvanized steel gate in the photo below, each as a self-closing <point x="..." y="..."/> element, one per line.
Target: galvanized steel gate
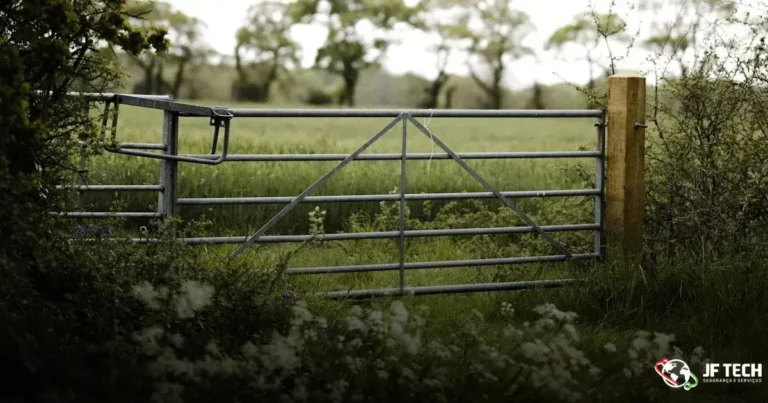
<point x="220" y="118"/>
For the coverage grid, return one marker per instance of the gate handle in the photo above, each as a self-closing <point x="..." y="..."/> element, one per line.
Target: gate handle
<point x="221" y="117"/>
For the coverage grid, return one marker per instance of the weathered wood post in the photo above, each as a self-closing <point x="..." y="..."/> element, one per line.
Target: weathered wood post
<point x="625" y="161"/>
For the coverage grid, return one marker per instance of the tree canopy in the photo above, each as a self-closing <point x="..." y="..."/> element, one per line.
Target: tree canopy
<point x="348" y="47"/>
<point x="186" y="45"/>
<point x="265" y="40"/>
<point x="495" y="33"/>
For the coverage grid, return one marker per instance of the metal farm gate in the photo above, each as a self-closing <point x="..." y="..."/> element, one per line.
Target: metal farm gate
<point x="220" y="119"/>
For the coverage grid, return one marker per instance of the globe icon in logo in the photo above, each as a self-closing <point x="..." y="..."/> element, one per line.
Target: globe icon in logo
<point x="676" y="374"/>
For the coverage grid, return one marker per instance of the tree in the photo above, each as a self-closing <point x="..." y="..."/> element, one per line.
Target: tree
<point x="537" y="97"/>
<point x="347" y="51"/>
<point x="586" y="31"/>
<point x="443" y="52"/>
<point x="265" y="38"/>
<point x="674" y="38"/>
<point x="47" y="48"/>
<point x="495" y="33"/>
<point x="186" y="48"/>
<point x="435" y="18"/>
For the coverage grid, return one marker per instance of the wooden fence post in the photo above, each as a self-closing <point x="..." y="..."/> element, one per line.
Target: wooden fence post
<point x="624" y="164"/>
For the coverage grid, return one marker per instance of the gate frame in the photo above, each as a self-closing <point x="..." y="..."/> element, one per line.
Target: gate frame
<point x="617" y="194"/>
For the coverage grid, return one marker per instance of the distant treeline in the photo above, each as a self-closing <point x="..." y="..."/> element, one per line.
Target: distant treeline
<point x="376" y="88"/>
<point x="488" y="35"/>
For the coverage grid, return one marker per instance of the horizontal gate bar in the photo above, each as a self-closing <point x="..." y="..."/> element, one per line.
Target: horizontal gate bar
<point x="108" y="96"/>
<point x="167" y="105"/>
<point x="105" y="214"/>
<point x="397" y="157"/>
<point x="386" y="197"/>
<point x="115" y="188"/>
<point x="421" y="113"/>
<point x="364" y="268"/>
<point x="378" y="235"/>
<point x="143" y="146"/>
<point x="133" y="146"/>
<point x="449" y="289"/>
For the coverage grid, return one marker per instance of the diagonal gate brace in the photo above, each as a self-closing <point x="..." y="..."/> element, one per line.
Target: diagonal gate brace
<point x="488" y="186"/>
<point x="314" y="186"/>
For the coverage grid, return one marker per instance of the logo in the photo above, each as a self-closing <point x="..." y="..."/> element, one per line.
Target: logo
<point x="733" y="373"/>
<point x="676" y="374"/>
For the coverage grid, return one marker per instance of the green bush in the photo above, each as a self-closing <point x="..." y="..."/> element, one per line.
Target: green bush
<point x="316" y="96"/>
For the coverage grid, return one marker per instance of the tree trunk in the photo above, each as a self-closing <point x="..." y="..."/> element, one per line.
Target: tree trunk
<point x="497" y="97"/>
<point x="350" y="84"/>
<point x="497" y="91"/>
<point x="449" y="96"/>
<point x="179" y="79"/>
<point x="159" y="87"/>
<point x="433" y="92"/>
<point x="537" y="98"/>
<point x="271" y="78"/>
<point x="148" y="73"/>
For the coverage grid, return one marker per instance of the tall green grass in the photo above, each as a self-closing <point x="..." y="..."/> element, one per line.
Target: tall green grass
<point x="337" y="135"/>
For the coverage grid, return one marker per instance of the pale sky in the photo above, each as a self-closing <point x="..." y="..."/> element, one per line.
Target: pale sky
<point x="224" y="17"/>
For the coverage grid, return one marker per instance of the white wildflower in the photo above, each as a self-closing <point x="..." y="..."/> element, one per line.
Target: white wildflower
<point x="281" y="353"/>
<point x="399" y="312"/>
<point x="194" y="297"/>
<point x="536" y="351"/>
<point x="677" y="353"/>
<point x="354" y="323"/>
<point x="338" y="390"/>
<point x="356" y="311"/>
<point x="663" y="342"/>
<point x="408" y="374"/>
<point x="544" y="324"/>
<point x="570" y="330"/>
<point x="412" y="343"/>
<point x="147" y="294"/>
<point x="507" y="310"/>
<point x="610" y="347"/>
<point x="300" y="392"/>
<point x="301" y="314"/>
<point x="149" y="338"/>
<point x="633" y="355"/>
<point x="642" y="334"/>
<point x="176" y="340"/>
<point x="640" y="344"/>
<point x="697" y="355"/>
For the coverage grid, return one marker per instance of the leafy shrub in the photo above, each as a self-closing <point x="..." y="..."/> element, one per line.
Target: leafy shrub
<point x="316" y="96"/>
<point x="708" y="175"/>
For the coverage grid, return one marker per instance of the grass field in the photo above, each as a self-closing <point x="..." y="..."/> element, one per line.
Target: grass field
<point x="304" y="136"/>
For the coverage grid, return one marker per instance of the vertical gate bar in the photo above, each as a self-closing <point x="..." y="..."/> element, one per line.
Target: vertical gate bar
<point x="600" y="184"/>
<point x="402" y="206"/>
<point x="168" y="168"/>
<point x="83" y="164"/>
